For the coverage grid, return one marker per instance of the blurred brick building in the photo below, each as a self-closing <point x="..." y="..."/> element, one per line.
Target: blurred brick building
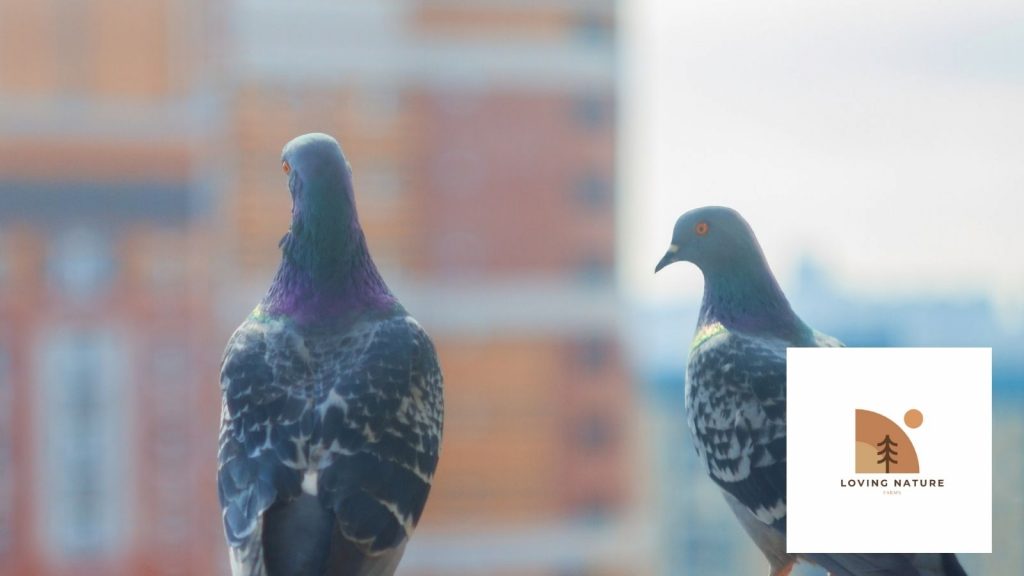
<point x="141" y="202"/>
<point x="106" y="290"/>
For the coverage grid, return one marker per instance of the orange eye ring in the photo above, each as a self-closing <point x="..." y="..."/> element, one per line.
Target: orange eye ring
<point x="701" y="228"/>
<point x="286" y="167"/>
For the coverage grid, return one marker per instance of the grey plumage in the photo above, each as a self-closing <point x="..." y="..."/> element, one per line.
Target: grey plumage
<point x="360" y="410"/>
<point x="736" y="391"/>
<point x="331" y="419"/>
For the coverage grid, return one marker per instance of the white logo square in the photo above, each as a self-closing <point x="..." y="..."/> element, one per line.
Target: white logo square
<point x="889" y="450"/>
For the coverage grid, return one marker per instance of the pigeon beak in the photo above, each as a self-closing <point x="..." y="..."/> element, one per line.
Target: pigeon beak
<point x="668" y="258"/>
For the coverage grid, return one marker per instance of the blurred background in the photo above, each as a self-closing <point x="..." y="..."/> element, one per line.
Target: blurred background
<point x="518" y="167"/>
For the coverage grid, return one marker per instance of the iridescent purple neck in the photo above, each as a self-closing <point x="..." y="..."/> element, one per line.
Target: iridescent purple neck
<point x="327" y="279"/>
<point x="744" y="296"/>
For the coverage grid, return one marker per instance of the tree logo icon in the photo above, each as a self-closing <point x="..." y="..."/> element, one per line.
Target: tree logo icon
<point x="887" y="452"/>
<point x="882" y="447"/>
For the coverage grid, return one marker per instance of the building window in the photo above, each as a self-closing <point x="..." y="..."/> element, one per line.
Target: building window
<point x="590" y="111"/>
<point x="81" y="419"/>
<point x="80" y="264"/>
<point x="595" y="433"/>
<point x="594" y="29"/>
<point x="592" y="354"/>
<point x="593" y="191"/>
<point x="594" y="270"/>
<point x="169" y="398"/>
<point x="594" y="511"/>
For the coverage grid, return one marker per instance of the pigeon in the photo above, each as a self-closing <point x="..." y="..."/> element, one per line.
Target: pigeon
<point x="332" y="402"/>
<point x="735" y="391"/>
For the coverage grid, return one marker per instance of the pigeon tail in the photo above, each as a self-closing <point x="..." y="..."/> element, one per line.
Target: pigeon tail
<point x="951" y="565"/>
<point x="888" y="564"/>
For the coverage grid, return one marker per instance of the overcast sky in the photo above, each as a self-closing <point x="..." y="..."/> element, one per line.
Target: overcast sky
<point x="884" y="139"/>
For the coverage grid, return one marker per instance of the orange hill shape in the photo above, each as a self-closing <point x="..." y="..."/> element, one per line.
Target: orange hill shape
<point x="871" y="430"/>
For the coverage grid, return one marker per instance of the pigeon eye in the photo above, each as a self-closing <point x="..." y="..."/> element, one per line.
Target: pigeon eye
<point x="286" y="167"/>
<point x="701" y="228"/>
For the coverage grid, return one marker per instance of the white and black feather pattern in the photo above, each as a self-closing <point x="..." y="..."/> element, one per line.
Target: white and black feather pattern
<point x="736" y="411"/>
<point x="351" y="419"/>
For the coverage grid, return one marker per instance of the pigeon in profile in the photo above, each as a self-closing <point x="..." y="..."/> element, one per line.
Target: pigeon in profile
<point x="736" y="390"/>
<point x="332" y="402"/>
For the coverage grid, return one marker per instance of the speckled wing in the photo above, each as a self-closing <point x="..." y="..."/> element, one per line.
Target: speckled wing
<point x="736" y="410"/>
<point x="251" y="473"/>
<point x="381" y="428"/>
<point x="351" y="420"/>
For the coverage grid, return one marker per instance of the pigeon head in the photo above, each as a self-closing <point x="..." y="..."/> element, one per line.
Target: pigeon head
<point x="712" y="238"/>
<point x="319" y="177"/>
<point x="739" y="288"/>
<point x="325" y="228"/>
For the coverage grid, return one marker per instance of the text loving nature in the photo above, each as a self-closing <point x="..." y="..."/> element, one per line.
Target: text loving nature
<point x="895" y="482"/>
